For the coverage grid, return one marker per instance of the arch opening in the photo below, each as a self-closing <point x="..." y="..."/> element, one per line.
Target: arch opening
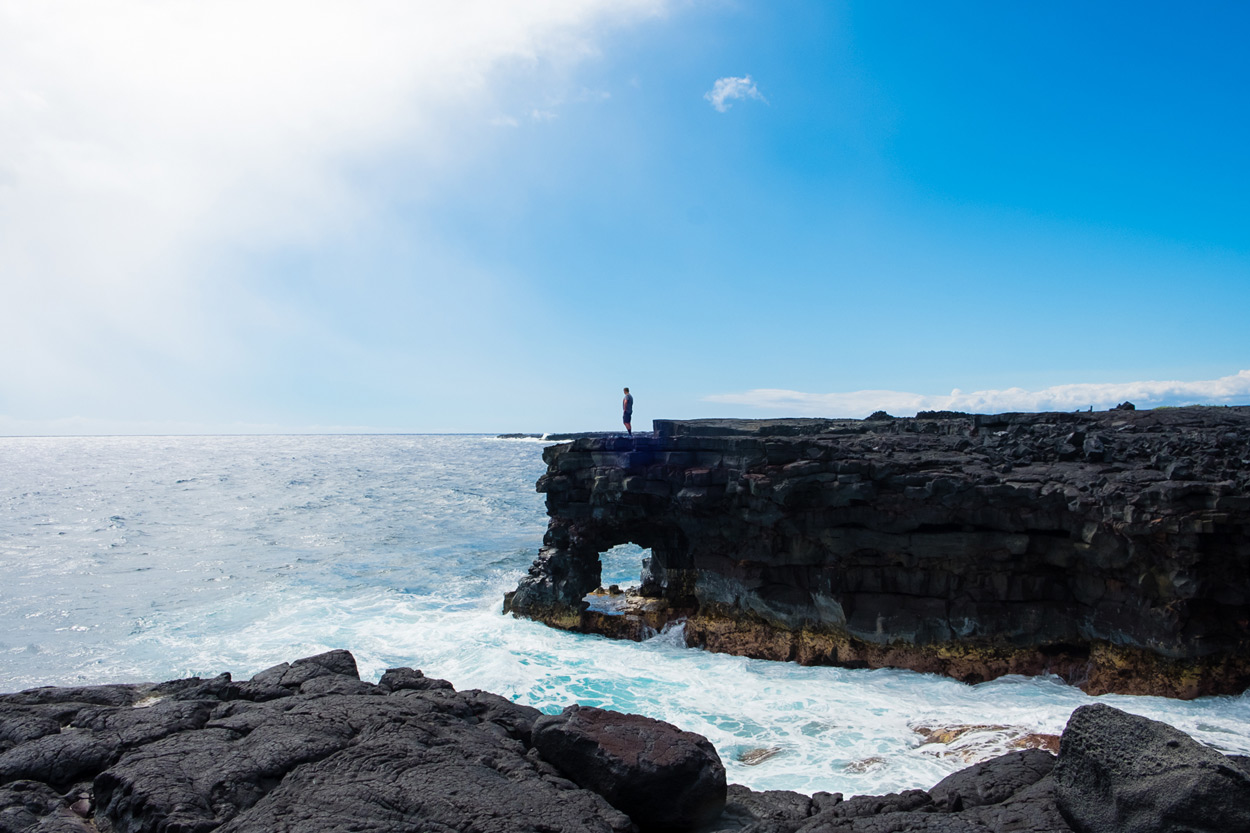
<point x="622" y="565"/>
<point x="620" y="575"/>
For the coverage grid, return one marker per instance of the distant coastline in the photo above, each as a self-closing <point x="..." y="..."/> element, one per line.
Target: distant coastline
<point x="559" y="438"/>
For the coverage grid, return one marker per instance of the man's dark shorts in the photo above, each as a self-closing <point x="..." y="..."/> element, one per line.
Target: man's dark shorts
<point x="628" y="417"/>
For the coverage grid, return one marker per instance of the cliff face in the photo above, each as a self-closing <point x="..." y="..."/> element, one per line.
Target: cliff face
<point x="1111" y="548"/>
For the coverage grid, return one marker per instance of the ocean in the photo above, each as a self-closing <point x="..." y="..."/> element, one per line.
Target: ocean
<point x="127" y="559"/>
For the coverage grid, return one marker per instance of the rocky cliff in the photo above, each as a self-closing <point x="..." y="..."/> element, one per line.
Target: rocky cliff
<point x="1110" y="548"/>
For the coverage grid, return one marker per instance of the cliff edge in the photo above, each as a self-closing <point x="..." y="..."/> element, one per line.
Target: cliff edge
<point x="1110" y="548"/>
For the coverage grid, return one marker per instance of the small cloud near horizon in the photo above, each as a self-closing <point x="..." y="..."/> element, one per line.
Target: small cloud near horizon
<point x="1228" y="390"/>
<point x="725" y="90"/>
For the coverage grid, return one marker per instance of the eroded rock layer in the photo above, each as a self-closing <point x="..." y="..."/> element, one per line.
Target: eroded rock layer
<point x="1111" y="548"/>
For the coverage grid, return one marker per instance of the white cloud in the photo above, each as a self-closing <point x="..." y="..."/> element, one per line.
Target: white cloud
<point x="725" y="90"/>
<point x="145" y="147"/>
<point x="1228" y="390"/>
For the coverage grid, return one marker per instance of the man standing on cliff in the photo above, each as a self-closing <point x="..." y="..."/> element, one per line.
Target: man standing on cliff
<point x="628" y="405"/>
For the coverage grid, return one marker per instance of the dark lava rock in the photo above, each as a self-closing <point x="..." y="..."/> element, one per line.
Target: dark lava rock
<point x="1010" y="794"/>
<point x="23" y="804"/>
<point x="97" y="695"/>
<point x="780" y="810"/>
<point x="1109" y="548"/>
<point x="221" y="687"/>
<point x="897" y="823"/>
<point x="1034" y="809"/>
<point x="1120" y="773"/>
<point x="19" y="724"/>
<point x="335" y="754"/>
<point x="1028" y="809"/>
<point x="874" y="805"/>
<point x="993" y="781"/>
<point x="404" y="776"/>
<point x="293" y="675"/>
<point x="301" y="747"/>
<point x="409" y="679"/>
<point x="905" y="811"/>
<point x="661" y="777"/>
<point x="502" y="715"/>
<point x="59" y="759"/>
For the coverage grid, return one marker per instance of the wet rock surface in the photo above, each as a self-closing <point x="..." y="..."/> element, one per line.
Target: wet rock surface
<point x="1110" y="548"/>
<point x="309" y="747"/>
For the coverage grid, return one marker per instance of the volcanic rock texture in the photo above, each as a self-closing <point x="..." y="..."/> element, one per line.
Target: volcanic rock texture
<point x="1110" y="548"/>
<point x="309" y="747"/>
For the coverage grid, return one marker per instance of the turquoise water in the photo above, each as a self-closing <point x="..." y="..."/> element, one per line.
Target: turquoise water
<point x="129" y="559"/>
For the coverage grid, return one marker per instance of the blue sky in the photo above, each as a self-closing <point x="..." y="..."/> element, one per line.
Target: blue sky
<point x="491" y="216"/>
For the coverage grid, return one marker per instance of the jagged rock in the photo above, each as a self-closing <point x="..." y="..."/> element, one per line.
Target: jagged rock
<point x="24" y="804"/>
<point x="293" y="675"/>
<point x="400" y="679"/>
<point x="74" y="696"/>
<point x="556" y="585"/>
<point x="408" y="759"/>
<point x="1013" y="801"/>
<point x="19" y="724"/>
<point x="419" y="758"/>
<point x="1034" y="809"/>
<point x="321" y="686"/>
<point x="897" y="823"/>
<point x="1110" y="548"/>
<point x="330" y="753"/>
<point x="1121" y="773"/>
<point x="774" y="805"/>
<point x="60" y="759"/>
<point x="661" y="777"/>
<point x="221" y="687"/>
<point x="861" y="806"/>
<point x="407" y="777"/>
<point x="993" y="781"/>
<point x="499" y="713"/>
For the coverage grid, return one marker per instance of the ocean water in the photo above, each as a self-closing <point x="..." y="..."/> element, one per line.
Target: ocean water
<point x="128" y="559"/>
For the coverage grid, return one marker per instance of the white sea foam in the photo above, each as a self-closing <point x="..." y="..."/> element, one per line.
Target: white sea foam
<point x="155" y="558"/>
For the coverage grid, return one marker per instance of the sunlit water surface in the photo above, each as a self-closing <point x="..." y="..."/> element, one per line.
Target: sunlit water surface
<point x="134" y="559"/>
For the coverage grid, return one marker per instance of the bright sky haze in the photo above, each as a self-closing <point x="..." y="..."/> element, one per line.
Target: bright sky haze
<point x="472" y="216"/>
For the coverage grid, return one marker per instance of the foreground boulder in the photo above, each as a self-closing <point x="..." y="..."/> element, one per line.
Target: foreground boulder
<point x="310" y="748"/>
<point x="663" y="778"/>
<point x="1120" y="773"/>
